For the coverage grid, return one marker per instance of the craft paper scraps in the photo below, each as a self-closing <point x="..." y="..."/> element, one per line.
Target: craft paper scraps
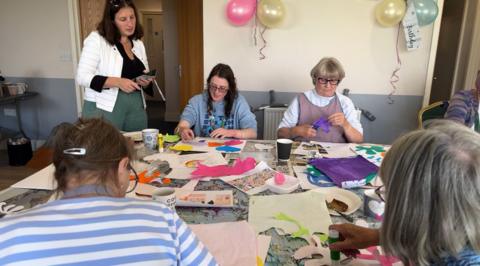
<point x="260" y="146"/>
<point x="215" y="144"/>
<point x="182" y="147"/>
<point x="346" y="172"/>
<point x="228" y="149"/>
<point x="233" y="243"/>
<point x="233" y="142"/>
<point x="376" y="254"/>
<point x="322" y="124"/>
<point x="373" y="153"/>
<point x="238" y="168"/>
<point x="171" y="138"/>
<point x="308" y="208"/>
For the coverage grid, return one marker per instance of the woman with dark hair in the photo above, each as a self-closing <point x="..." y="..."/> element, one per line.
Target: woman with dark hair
<point x="112" y="61"/>
<point x="93" y="223"/>
<point x="220" y="111"/>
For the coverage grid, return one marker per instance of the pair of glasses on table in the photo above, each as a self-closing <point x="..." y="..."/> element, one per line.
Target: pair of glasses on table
<point x="380" y="191"/>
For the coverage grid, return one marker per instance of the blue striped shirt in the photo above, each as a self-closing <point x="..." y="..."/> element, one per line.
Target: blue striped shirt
<point x="100" y="231"/>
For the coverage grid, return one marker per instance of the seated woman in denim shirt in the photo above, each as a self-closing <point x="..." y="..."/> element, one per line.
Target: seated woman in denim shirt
<point x="218" y="112"/>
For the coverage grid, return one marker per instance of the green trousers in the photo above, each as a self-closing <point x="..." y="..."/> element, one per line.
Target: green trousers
<point x="128" y="113"/>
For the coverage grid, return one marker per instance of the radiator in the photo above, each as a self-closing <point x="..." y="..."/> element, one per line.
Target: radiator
<point x="271" y="120"/>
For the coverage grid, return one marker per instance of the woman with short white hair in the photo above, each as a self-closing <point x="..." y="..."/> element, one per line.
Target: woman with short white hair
<point x="322" y="114"/>
<point x="432" y="194"/>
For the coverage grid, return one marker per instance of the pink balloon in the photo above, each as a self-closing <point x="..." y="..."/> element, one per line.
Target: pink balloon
<point x="239" y="12"/>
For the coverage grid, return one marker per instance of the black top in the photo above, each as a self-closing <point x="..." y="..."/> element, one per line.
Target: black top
<point x="131" y="69"/>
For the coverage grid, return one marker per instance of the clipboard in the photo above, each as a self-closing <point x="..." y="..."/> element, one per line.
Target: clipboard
<point x="152" y="75"/>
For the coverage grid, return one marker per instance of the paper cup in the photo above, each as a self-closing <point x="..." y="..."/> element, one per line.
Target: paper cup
<point x="284" y="147"/>
<point x="165" y="195"/>
<point x="373" y="205"/>
<point x="150" y="138"/>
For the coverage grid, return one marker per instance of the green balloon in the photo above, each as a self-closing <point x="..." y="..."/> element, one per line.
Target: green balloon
<point x="427" y="11"/>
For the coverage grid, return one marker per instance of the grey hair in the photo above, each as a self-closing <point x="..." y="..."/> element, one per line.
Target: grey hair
<point x="329" y="68"/>
<point x="432" y="179"/>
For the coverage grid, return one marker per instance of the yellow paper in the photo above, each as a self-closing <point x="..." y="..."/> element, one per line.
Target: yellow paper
<point x="182" y="147"/>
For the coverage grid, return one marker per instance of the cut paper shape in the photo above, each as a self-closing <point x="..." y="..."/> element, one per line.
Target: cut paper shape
<point x="312" y="213"/>
<point x="373" y="153"/>
<point x="302" y="231"/>
<point x="310" y="182"/>
<point x="182" y="147"/>
<point x="233" y="142"/>
<point x="322" y="124"/>
<point x="228" y="149"/>
<point x="345" y="172"/>
<point x="231" y="243"/>
<point x="238" y="168"/>
<point x="215" y="144"/>
<point x="145" y="178"/>
<point x="314" y="247"/>
<point x="171" y="138"/>
<point x="374" y="254"/>
<point x="263" y="245"/>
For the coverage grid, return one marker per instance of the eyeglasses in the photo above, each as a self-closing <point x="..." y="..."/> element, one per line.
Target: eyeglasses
<point x="380" y="191"/>
<point x="220" y="89"/>
<point x="132" y="184"/>
<point x="332" y="82"/>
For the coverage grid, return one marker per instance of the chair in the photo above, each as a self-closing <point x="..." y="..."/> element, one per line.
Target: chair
<point x="433" y="111"/>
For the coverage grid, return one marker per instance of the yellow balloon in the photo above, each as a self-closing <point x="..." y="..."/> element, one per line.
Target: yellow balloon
<point x="390" y="12"/>
<point x="271" y="12"/>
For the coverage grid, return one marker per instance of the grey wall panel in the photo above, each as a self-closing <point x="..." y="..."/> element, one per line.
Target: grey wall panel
<point x="392" y="120"/>
<point x="55" y="104"/>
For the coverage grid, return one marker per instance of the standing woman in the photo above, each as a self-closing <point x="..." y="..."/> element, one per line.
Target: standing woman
<point x="112" y="59"/>
<point x="220" y="111"/>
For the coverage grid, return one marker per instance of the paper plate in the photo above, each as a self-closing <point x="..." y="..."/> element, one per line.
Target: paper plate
<point x="351" y="199"/>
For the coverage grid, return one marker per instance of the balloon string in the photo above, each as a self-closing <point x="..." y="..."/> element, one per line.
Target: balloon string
<point x="394" y="78"/>
<point x="262" y="56"/>
<point x="255" y="31"/>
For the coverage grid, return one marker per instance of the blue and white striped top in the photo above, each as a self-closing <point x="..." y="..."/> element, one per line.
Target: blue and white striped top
<point x="100" y="231"/>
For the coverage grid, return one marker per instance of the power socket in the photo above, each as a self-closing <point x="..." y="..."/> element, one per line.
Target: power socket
<point x="9" y="112"/>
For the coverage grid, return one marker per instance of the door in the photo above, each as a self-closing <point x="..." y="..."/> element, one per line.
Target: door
<point x="91" y="12"/>
<point x="154" y="44"/>
<point x="190" y="48"/>
<point x="447" y="51"/>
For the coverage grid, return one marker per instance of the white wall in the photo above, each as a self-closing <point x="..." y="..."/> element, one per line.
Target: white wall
<point x="35" y="39"/>
<point x="312" y="29"/>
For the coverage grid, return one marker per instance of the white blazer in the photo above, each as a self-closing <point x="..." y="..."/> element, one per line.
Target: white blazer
<point x="101" y="58"/>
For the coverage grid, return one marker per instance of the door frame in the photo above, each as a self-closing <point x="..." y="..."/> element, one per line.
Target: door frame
<point x="474" y="54"/>
<point x="75" y="45"/>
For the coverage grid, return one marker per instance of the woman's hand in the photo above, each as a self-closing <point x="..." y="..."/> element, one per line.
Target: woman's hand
<point x="338" y="119"/>
<point x="144" y="82"/>
<point x="354" y="237"/>
<point x="305" y="131"/>
<point x="186" y="134"/>
<point x="127" y="85"/>
<point x="223" y="133"/>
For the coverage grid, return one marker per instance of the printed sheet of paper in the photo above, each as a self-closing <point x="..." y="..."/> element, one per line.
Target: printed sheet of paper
<point x="335" y="150"/>
<point x="233" y="243"/>
<point x="306" y="149"/>
<point x="263" y="245"/>
<point x="209" y="145"/>
<point x="42" y="179"/>
<point x="308" y="208"/>
<point x="374" y="153"/>
<point x="253" y="181"/>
